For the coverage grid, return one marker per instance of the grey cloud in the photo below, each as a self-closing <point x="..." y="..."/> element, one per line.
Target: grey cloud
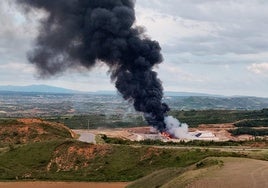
<point x="15" y="37"/>
<point x="218" y="46"/>
<point x="211" y="10"/>
<point x="240" y="25"/>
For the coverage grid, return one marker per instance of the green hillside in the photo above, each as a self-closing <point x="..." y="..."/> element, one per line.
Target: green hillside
<point x="78" y="161"/>
<point x="33" y="149"/>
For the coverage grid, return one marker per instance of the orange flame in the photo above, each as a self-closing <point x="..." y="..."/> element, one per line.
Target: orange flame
<point x="166" y="135"/>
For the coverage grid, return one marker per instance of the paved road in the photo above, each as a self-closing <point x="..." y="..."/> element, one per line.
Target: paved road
<point x="85" y="136"/>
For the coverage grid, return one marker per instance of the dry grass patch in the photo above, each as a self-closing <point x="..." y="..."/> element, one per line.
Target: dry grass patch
<point x="236" y="172"/>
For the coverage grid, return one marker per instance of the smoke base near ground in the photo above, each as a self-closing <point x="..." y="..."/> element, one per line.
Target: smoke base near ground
<point x="177" y="129"/>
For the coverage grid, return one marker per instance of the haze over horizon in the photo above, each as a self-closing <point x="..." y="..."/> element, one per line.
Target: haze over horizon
<point x="43" y="88"/>
<point x="215" y="47"/>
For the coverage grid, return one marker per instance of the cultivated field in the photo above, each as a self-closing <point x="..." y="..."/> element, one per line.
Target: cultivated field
<point x="236" y="172"/>
<point x="222" y="172"/>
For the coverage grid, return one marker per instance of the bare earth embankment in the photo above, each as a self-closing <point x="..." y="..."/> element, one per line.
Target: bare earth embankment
<point x="60" y="185"/>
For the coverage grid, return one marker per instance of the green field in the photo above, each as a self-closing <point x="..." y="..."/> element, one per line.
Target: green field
<point x="240" y="119"/>
<point x="196" y="117"/>
<point x="93" y="121"/>
<point x="193" y="118"/>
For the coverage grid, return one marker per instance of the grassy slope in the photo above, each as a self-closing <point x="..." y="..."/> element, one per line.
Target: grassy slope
<point x="86" y="162"/>
<point x="117" y="163"/>
<point x="235" y="172"/>
<point x="26" y="160"/>
<point x="176" y="177"/>
<point x="157" y="178"/>
<point x="210" y="172"/>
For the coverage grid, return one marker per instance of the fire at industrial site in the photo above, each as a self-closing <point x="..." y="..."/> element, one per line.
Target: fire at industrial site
<point x="205" y="132"/>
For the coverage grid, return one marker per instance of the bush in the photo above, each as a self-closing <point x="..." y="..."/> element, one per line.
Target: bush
<point x="250" y="131"/>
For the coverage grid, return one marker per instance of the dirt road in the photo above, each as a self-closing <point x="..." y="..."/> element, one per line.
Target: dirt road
<point x="85" y="136"/>
<point x="61" y="185"/>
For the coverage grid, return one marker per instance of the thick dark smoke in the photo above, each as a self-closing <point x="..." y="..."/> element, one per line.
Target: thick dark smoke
<point x="83" y="33"/>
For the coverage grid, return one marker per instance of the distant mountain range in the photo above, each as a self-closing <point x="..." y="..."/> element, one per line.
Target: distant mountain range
<point x="36" y="88"/>
<point x="176" y="100"/>
<point x="189" y="94"/>
<point x="60" y="90"/>
<point x="53" y="89"/>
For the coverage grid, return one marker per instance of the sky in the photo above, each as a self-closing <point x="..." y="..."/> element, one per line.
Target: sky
<point x="209" y="46"/>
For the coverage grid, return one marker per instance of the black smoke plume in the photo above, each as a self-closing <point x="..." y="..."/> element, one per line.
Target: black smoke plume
<point x="83" y="33"/>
